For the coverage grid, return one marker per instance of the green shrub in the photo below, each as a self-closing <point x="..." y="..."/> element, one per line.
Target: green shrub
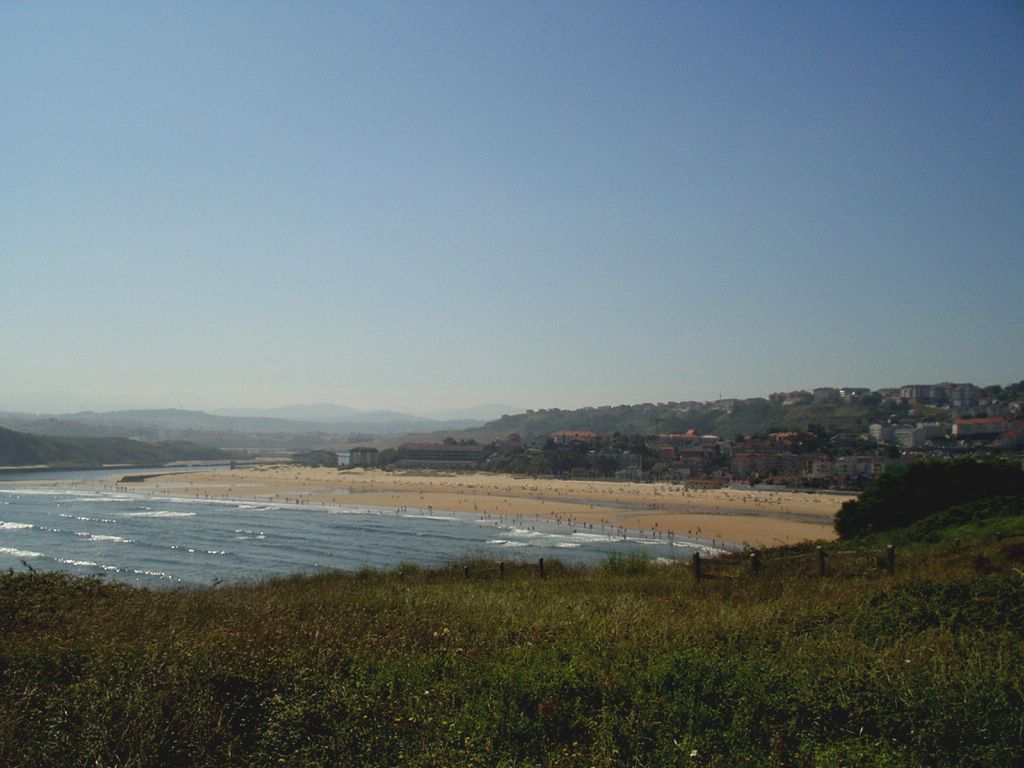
<point x="908" y="494"/>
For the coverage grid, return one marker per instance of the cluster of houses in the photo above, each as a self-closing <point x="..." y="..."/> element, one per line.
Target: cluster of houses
<point x="998" y="430"/>
<point x="785" y="457"/>
<point x="946" y="394"/>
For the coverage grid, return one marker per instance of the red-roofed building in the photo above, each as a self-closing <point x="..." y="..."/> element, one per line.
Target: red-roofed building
<point x="1013" y="437"/>
<point x="993" y="426"/>
<point x="667" y="453"/>
<point x="570" y="436"/>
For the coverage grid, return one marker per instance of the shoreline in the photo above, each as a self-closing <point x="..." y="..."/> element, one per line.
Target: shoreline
<point x="724" y="516"/>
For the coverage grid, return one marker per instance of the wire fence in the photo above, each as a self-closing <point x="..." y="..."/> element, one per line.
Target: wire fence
<point x="819" y="561"/>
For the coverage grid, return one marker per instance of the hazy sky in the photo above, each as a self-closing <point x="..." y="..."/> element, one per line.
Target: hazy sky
<point x="551" y="204"/>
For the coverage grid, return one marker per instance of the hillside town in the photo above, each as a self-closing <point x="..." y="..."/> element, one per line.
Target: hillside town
<point x="921" y="422"/>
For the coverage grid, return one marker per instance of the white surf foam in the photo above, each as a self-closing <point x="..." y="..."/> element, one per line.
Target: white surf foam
<point x="433" y="517"/>
<point x="594" y="537"/>
<point x="159" y="513"/>
<point x="158" y="574"/>
<point x="33" y="492"/>
<point x="102" y="537"/>
<point x="19" y="552"/>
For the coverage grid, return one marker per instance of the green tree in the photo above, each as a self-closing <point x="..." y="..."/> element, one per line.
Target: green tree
<point x="900" y="497"/>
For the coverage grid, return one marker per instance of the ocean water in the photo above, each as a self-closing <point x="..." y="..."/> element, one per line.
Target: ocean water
<point x="167" y="541"/>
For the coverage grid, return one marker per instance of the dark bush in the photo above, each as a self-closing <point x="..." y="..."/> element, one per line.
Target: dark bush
<point x="904" y="496"/>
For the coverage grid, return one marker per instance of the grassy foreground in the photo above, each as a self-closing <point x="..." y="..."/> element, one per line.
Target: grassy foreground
<point x="625" y="665"/>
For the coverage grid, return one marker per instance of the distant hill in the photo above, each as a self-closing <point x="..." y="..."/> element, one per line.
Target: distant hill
<point x="484" y="413"/>
<point x="19" y="450"/>
<point x="259" y="431"/>
<point x="336" y="427"/>
<point x="318" y="412"/>
<point x="745" y="417"/>
<point x="326" y="413"/>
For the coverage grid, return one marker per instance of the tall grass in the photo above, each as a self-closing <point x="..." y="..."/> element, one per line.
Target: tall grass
<point x="630" y="664"/>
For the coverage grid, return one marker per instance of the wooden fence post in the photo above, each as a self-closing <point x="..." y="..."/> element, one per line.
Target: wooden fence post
<point x="696" y="565"/>
<point x="755" y="562"/>
<point x="542" y="568"/>
<point x="501" y="568"/>
<point x="821" y="561"/>
<point x="890" y="559"/>
<point x="465" y="571"/>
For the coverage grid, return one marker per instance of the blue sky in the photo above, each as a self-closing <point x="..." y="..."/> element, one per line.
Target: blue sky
<point x="431" y="205"/>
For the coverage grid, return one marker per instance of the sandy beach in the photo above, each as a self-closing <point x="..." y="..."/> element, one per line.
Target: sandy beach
<point x="742" y="517"/>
